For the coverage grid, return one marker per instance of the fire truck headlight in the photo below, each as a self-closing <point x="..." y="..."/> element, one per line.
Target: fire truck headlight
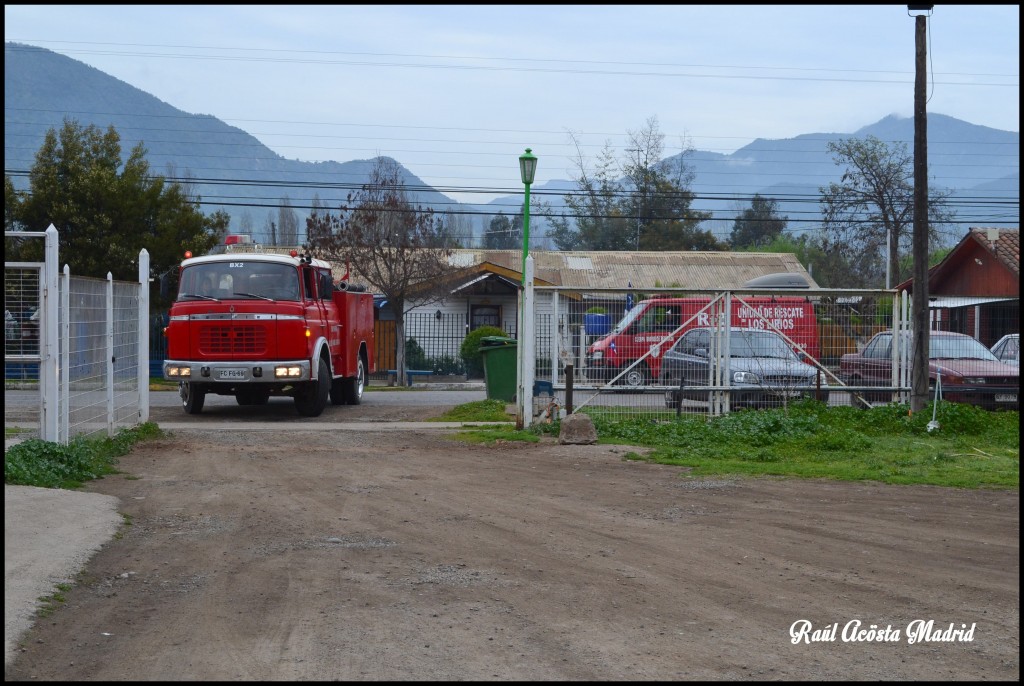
<point x="287" y="372"/>
<point x="179" y="371"/>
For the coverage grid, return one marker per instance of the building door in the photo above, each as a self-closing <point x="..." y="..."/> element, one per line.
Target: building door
<point x="484" y="315"/>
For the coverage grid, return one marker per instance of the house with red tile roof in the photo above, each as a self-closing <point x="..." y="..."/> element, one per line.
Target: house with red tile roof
<point x="975" y="289"/>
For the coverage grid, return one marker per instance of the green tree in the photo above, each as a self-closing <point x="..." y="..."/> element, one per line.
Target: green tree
<point x="394" y="246"/>
<point x="105" y="212"/>
<point x="641" y="202"/>
<point x="504" y="233"/>
<point x="870" y="212"/>
<point x="757" y="225"/>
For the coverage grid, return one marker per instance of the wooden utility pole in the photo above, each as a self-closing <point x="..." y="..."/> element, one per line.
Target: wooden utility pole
<point x="919" y="306"/>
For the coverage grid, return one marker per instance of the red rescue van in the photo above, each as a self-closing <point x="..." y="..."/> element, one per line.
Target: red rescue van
<point x="634" y="346"/>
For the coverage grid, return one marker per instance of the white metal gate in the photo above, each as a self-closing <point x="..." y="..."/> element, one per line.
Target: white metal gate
<point x="79" y="363"/>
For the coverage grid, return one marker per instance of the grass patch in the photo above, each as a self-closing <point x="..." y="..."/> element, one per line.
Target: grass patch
<point x="127" y="521"/>
<point x="485" y="435"/>
<point x="476" y="411"/>
<point x="972" y="448"/>
<point x="158" y="384"/>
<point x="51" y="602"/>
<point x="46" y="464"/>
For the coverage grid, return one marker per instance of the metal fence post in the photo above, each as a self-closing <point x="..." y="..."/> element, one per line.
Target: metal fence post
<point x="529" y="342"/>
<point x="109" y="298"/>
<point x="142" y="357"/>
<point x="49" y="338"/>
<point x="65" y="356"/>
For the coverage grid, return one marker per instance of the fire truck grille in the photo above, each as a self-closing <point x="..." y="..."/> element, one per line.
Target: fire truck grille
<point x="227" y="340"/>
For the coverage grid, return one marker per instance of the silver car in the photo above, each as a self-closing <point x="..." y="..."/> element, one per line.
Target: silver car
<point x="1007" y="349"/>
<point x="763" y="370"/>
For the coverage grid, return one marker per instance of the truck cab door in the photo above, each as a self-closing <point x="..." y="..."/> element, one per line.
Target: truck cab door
<point x="316" y="317"/>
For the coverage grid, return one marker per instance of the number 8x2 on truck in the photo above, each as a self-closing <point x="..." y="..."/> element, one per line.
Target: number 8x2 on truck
<point x="256" y="325"/>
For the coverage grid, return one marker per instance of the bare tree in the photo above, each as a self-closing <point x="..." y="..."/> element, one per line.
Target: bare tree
<point x="642" y="203"/>
<point x="287" y="223"/>
<point x="454" y="230"/>
<point x="595" y="220"/>
<point x="870" y="212"/>
<point x="270" y="229"/>
<point x="245" y="223"/>
<point x="396" y="247"/>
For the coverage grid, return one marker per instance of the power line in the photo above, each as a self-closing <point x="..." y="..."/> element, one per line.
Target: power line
<point x="901" y="77"/>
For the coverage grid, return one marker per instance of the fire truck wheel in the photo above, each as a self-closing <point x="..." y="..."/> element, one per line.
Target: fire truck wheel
<point x="311" y="400"/>
<point x="192" y="397"/>
<point x="354" y="386"/>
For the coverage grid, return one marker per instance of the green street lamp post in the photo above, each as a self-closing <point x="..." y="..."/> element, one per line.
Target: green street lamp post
<point x="524" y="396"/>
<point x="527" y="170"/>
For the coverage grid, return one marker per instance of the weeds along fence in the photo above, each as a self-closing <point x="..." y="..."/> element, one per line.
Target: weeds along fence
<point x="76" y="355"/>
<point x="617" y="343"/>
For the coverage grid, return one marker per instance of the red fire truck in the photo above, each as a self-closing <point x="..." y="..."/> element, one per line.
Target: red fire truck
<point x="255" y="325"/>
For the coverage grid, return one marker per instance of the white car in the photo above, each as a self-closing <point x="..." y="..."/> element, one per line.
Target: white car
<point x="1007" y="349"/>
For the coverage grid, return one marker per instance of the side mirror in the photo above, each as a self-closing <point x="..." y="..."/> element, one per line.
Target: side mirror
<point x="700" y="352"/>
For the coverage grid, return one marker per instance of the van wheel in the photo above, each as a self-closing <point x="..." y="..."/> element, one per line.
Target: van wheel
<point x="192" y="397"/>
<point x="635" y="377"/>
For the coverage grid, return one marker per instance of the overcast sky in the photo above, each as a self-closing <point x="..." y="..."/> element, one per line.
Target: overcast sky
<point x="455" y="93"/>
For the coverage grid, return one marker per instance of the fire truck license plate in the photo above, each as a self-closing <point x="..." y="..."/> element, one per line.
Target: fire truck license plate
<point x="232" y="374"/>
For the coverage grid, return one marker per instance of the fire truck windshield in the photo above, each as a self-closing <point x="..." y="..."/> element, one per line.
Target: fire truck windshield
<point x="240" y="280"/>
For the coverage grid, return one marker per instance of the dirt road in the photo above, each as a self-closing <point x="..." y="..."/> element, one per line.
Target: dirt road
<point x="269" y="554"/>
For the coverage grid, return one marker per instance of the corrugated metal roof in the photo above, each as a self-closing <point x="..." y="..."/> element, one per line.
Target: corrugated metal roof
<point x="610" y="269"/>
<point x="681" y="269"/>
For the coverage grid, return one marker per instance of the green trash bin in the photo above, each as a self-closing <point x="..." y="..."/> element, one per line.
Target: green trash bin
<point x="499" y="357"/>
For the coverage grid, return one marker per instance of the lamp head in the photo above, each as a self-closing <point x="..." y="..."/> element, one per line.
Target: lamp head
<point x="527" y="166"/>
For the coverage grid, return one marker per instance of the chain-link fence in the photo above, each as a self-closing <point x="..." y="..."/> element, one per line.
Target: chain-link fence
<point x="76" y="349"/>
<point x="433" y="342"/>
<point x="663" y="352"/>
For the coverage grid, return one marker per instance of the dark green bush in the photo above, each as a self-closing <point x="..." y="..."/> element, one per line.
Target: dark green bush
<point x="470" y="350"/>
<point x="415" y="358"/>
<point x="448" y="365"/>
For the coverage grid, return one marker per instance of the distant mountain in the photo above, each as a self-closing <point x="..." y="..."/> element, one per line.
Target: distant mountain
<point x="41" y="88"/>
<point x="979" y="164"/>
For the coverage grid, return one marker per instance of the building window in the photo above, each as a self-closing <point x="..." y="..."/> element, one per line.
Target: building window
<point x="484" y="315"/>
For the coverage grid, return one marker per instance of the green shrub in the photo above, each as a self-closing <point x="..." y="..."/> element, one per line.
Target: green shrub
<point x="448" y="365"/>
<point x="46" y="464"/>
<point x="415" y="358"/>
<point x="597" y="309"/>
<point x="470" y="350"/>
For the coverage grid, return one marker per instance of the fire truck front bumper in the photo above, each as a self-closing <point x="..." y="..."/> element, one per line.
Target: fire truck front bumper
<point x="249" y="371"/>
